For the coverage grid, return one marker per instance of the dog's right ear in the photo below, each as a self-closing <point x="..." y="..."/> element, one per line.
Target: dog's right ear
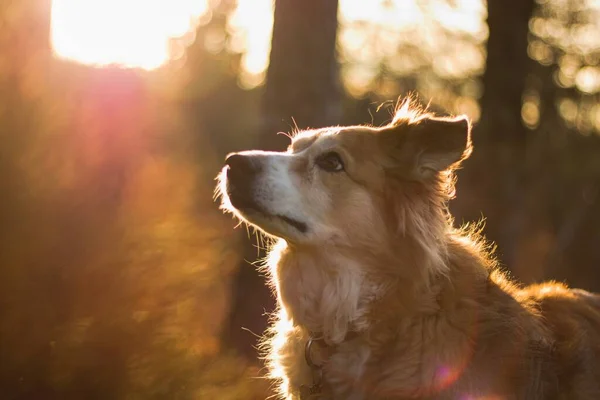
<point x="427" y="146"/>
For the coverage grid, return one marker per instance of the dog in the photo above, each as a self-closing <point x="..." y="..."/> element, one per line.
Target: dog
<point x="379" y="295"/>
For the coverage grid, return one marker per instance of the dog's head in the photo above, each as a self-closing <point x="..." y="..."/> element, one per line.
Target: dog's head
<point x="344" y="183"/>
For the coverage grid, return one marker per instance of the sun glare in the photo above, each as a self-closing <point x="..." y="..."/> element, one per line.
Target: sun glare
<point x="251" y="25"/>
<point x="128" y="33"/>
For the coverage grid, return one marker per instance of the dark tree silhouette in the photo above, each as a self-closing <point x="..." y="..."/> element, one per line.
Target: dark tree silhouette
<point x="302" y="83"/>
<point x="506" y="71"/>
<point x="496" y="171"/>
<point x="302" y="79"/>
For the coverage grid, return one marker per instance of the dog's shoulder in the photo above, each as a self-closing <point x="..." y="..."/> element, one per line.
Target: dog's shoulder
<point x="567" y="310"/>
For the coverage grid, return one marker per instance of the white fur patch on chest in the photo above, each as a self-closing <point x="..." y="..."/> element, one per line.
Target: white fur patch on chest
<point x="319" y="293"/>
<point x="331" y="299"/>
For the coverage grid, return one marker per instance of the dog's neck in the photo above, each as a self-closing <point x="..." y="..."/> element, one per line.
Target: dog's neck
<point x="334" y="290"/>
<point x="331" y="290"/>
<point x="321" y="290"/>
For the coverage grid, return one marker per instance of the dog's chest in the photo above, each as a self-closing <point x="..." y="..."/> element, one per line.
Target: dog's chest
<point x="328" y="300"/>
<point x="329" y="296"/>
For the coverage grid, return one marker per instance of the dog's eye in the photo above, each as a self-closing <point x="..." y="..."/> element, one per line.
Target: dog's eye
<point x="330" y="162"/>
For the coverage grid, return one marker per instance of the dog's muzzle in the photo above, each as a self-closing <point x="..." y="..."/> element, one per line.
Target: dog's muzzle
<point x="243" y="172"/>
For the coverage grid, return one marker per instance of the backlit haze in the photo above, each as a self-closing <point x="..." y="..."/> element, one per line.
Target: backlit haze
<point x="429" y="43"/>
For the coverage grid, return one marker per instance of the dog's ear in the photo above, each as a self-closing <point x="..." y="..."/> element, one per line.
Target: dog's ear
<point x="427" y="146"/>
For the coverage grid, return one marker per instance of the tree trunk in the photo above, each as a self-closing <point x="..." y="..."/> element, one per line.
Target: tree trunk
<point x="302" y="90"/>
<point x="302" y="80"/>
<point x="506" y="71"/>
<point x="494" y="176"/>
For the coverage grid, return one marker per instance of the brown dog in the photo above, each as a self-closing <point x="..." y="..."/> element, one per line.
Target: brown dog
<point x="379" y="296"/>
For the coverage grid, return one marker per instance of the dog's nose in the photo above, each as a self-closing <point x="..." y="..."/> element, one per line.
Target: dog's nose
<point x="238" y="162"/>
<point x="241" y="168"/>
<point x="240" y="179"/>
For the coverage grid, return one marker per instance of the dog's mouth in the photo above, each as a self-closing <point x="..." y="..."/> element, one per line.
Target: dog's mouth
<point x="255" y="209"/>
<point x="300" y="226"/>
<point x="248" y="206"/>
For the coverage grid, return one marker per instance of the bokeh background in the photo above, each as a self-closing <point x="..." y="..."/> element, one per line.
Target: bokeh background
<point x="119" y="276"/>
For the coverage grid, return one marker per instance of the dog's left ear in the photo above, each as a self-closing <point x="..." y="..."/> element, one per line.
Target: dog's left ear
<point x="428" y="146"/>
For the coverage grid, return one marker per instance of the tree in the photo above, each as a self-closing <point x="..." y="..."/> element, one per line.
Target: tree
<point x="507" y="67"/>
<point x="496" y="170"/>
<point x="302" y="79"/>
<point x="302" y="83"/>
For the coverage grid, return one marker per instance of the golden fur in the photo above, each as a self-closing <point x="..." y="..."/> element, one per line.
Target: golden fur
<point x="372" y="250"/>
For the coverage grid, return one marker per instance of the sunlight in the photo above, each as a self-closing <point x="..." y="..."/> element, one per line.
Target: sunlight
<point x="251" y="25"/>
<point x="137" y="33"/>
<point x="426" y="43"/>
<point x="394" y="23"/>
<point x="128" y="33"/>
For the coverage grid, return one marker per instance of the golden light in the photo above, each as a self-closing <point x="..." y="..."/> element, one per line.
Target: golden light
<point x="128" y="33"/>
<point x="251" y="25"/>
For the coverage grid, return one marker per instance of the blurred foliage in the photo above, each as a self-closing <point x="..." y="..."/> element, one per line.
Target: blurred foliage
<point x="435" y="48"/>
<point x="565" y="41"/>
<point x="115" y="261"/>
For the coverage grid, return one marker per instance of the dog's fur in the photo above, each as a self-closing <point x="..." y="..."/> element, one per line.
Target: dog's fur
<point x="370" y="249"/>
